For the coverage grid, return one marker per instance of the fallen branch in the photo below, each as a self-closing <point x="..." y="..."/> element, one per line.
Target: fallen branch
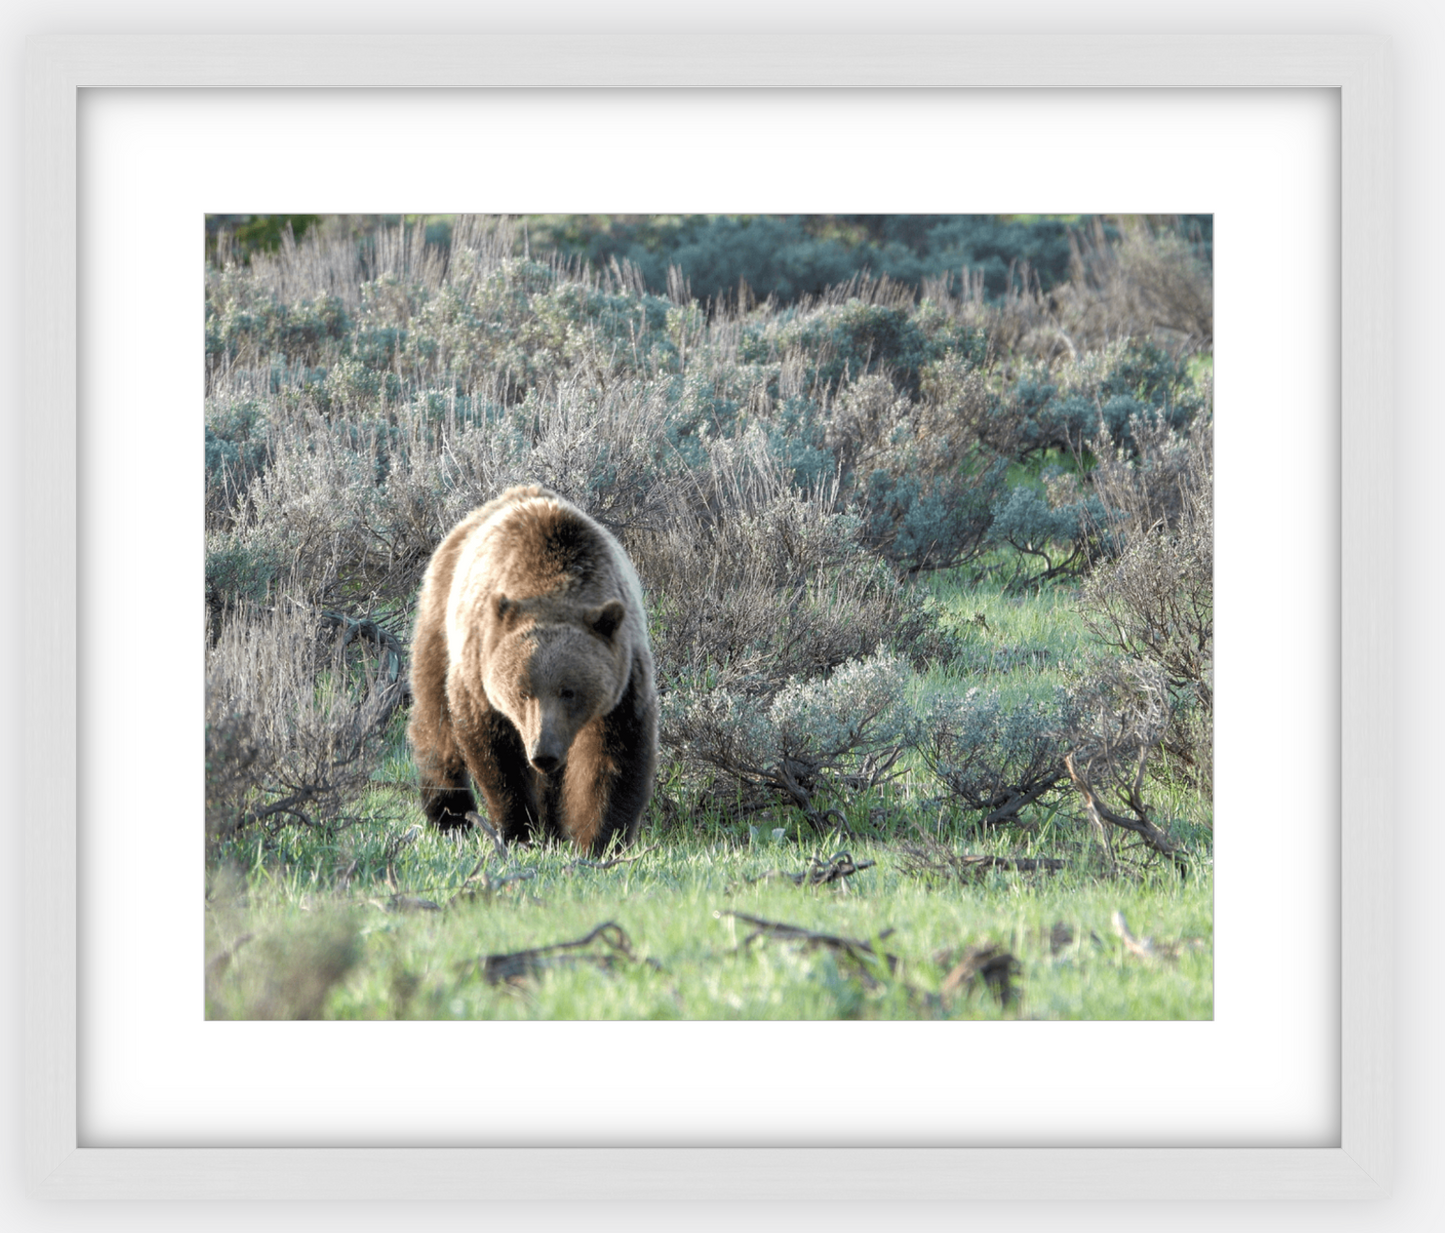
<point x="521" y="965"/>
<point x="395" y="685"/>
<point x="937" y="859"/>
<point x="992" y="965"/>
<point x="1148" y="948"/>
<point x="481" y="881"/>
<point x="386" y="642"/>
<point x="820" y="871"/>
<point x="490" y="831"/>
<point x="856" y="949"/>
<point x="608" y="864"/>
<point x="1009" y="810"/>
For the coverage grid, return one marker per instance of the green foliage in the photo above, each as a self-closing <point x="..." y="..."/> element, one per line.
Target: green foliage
<point x="265" y="230"/>
<point x="236" y="452"/>
<point x="996" y="757"/>
<point x="241" y="322"/>
<point x="1105" y="392"/>
<point x="806" y="741"/>
<point x="922" y="522"/>
<point x="1052" y="535"/>
<point x="1153" y="602"/>
<point x="377" y="923"/>
<point x="837" y="343"/>
<point x="784" y="474"/>
<point x="772" y="256"/>
<point x="999" y="247"/>
<point x="238" y="571"/>
<point x="1027" y="521"/>
<point x="248" y="233"/>
<point x="790" y="257"/>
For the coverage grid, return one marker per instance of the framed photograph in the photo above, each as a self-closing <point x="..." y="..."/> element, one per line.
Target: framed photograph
<point x="132" y="142"/>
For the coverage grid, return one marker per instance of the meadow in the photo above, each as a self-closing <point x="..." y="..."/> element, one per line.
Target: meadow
<point x="928" y="563"/>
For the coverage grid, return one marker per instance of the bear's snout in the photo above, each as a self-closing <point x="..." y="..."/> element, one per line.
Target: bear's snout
<point x="548" y="755"/>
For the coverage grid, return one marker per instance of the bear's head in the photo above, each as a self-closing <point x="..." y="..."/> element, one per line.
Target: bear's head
<point x="552" y="670"/>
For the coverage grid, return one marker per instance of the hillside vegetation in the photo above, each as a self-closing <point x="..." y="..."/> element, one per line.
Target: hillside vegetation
<point x="929" y="574"/>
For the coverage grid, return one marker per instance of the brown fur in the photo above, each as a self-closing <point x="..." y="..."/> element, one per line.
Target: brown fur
<point x="531" y="670"/>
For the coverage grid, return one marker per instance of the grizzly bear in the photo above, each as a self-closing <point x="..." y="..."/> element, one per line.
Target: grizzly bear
<point x="531" y="670"/>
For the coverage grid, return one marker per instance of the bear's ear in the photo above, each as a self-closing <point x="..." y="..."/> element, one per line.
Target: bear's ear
<point x="606" y="620"/>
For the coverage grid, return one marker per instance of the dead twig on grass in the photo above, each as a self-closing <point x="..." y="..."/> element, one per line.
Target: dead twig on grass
<point x="608" y="864"/>
<point x="393" y="849"/>
<point x="989" y="966"/>
<point x="859" y="951"/>
<point x="479" y="881"/>
<point x="490" y="831"/>
<point x="820" y="871"/>
<point x="518" y="966"/>
<point x="1018" y="864"/>
<point x="1148" y="948"/>
<point x="1143" y="948"/>
<point x="939" y="860"/>
<point x="992" y="965"/>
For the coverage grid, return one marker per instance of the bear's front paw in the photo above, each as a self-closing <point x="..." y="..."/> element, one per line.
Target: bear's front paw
<point x="448" y="810"/>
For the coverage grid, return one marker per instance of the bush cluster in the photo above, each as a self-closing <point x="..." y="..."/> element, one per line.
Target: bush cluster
<point x="788" y="257"/>
<point x="293" y="722"/>
<point x="1152" y="600"/>
<point x="994" y="758"/>
<point x="782" y="473"/>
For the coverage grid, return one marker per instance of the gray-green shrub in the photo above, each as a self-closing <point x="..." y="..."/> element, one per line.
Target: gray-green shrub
<point x="779" y="472"/>
<point x="292" y="723"/>
<point x="994" y="758"/>
<point x="1153" y="601"/>
<point x="807" y="743"/>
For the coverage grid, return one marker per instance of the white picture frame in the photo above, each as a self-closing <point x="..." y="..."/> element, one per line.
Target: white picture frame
<point x="58" y="1167"/>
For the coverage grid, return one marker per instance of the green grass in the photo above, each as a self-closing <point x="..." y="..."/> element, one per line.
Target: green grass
<point x="424" y="394"/>
<point x="1019" y="645"/>
<point x="338" y="925"/>
<point x="1025" y="648"/>
<point x="686" y="956"/>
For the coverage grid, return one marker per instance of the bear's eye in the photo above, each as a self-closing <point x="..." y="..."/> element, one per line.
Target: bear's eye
<point x="566" y="695"/>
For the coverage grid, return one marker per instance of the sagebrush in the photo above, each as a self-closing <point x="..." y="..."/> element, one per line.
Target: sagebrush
<point x="793" y="476"/>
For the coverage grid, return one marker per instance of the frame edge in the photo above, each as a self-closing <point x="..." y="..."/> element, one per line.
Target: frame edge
<point x="57" y="68"/>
